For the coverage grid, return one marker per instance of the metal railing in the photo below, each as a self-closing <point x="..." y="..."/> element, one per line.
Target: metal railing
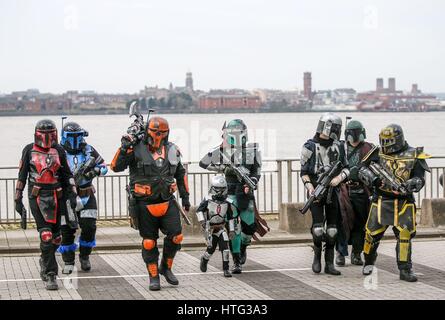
<point x="279" y="183"/>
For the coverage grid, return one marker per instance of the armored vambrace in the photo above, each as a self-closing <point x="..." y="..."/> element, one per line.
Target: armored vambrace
<point x="414" y="184"/>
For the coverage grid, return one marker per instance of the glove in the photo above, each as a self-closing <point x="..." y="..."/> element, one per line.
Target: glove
<point x="91" y="174"/>
<point x="309" y="187"/>
<point x="336" y="180"/>
<point x="413" y="184"/>
<point x="232" y="235"/>
<point x="127" y="141"/>
<point x="19" y="206"/>
<point x="186" y="204"/>
<point x="353" y="175"/>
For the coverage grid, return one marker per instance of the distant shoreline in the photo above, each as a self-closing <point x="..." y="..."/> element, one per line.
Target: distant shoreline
<point x="113" y="112"/>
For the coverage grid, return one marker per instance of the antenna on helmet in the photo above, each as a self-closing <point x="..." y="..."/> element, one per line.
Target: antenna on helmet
<point x="63" y="119"/>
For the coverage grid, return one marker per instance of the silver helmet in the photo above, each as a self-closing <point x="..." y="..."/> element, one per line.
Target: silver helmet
<point x="330" y="125"/>
<point x="218" y="188"/>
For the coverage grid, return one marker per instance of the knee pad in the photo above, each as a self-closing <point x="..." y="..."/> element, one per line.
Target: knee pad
<point x="178" y="238"/>
<point x="148" y="244"/>
<point x="46" y="235"/>
<point x="331" y="234"/>
<point x="317" y="232"/>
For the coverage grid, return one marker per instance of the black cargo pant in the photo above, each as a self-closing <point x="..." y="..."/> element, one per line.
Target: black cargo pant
<point x="87" y="241"/>
<point x="328" y="211"/>
<point x="152" y="219"/>
<point x="49" y="235"/>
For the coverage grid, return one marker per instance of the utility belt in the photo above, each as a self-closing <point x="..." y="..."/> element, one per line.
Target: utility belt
<point x="37" y="189"/>
<point x="145" y="190"/>
<point x="86" y="192"/>
<point x="355" y="187"/>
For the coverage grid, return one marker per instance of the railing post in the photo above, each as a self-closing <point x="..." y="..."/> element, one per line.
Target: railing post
<point x="289" y="181"/>
<point x="280" y="183"/>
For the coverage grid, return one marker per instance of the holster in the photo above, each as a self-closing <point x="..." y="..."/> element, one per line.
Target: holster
<point x="133" y="213"/>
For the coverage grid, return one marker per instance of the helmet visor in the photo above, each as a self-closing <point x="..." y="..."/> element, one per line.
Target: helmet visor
<point x="74" y="140"/>
<point x="236" y="137"/>
<point x="45" y="138"/>
<point x="353" y="135"/>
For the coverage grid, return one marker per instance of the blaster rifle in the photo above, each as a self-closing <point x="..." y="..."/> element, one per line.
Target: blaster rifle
<point x="386" y="178"/>
<point x="323" y="185"/>
<point x="86" y="167"/>
<point x="241" y="172"/>
<point x="24" y="219"/>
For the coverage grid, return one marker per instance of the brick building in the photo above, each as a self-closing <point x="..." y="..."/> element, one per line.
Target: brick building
<point x="234" y="101"/>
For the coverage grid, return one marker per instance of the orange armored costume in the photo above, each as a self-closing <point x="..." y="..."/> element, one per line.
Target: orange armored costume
<point x="156" y="172"/>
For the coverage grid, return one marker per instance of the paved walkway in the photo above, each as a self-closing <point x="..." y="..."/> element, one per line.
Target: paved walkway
<point x="124" y="237"/>
<point x="271" y="272"/>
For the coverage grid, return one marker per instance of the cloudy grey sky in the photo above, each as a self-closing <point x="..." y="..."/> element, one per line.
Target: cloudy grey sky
<point x="120" y="46"/>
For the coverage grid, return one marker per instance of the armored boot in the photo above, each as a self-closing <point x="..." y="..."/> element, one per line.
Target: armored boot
<point x="369" y="263"/>
<point x="316" y="264"/>
<point x="166" y="270"/>
<point x="329" y="267"/>
<point x="85" y="263"/>
<point x="408" y="275"/>
<point x="226" y="271"/>
<point x="356" y="259"/>
<point x="51" y="283"/>
<point x="203" y="264"/>
<point x="68" y="257"/>
<point x="340" y="260"/>
<point x="155" y="282"/>
<point x="225" y="257"/>
<point x="68" y="268"/>
<point x="236" y="269"/>
<point x="243" y="254"/>
<point x="84" y="257"/>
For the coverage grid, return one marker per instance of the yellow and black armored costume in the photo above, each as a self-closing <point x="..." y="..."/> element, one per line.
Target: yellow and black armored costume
<point x="403" y="166"/>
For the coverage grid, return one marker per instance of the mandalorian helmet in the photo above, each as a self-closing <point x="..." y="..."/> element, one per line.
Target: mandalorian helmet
<point x="392" y="139"/>
<point x="157" y="132"/>
<point x="45" y="134"/>
<point x="355" y="132"/>
<point x="330" y="125"/>
<point x="73" y="137"/>
<point x="235" y="133"/>
<point x="218" y="188"/>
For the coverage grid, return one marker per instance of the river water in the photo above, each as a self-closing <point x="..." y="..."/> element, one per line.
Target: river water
<point x="280" y="135"/>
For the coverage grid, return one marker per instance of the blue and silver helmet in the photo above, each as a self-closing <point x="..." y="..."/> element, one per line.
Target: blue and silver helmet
<point x="73" y="137"/>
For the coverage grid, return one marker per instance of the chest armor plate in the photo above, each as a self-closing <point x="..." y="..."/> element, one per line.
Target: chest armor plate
<point x="44" y="166"/>
<point x="217" y="212"/>
<point x="326" y="156"/>
<point x="153" y="164"/>
<point x="75" y="161"/>
<point x="400" y="165"/>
